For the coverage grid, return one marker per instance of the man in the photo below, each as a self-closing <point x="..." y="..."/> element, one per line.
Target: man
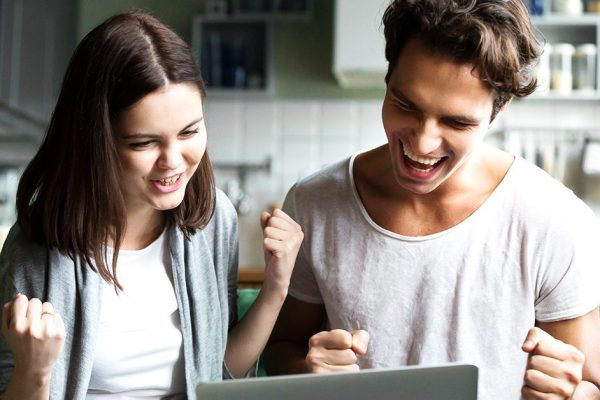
<point x="437" y="246"/>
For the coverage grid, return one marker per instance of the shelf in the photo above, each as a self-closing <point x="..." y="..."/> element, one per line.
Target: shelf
<point x="575" y="30"/>
<point x="238" y="93"/>
<point x="233" y="53"/>
<point x="250" y="277"/>
<point x="233" y="42"/>
<point x="574" y="96"/>
<point x="566" y="20"/>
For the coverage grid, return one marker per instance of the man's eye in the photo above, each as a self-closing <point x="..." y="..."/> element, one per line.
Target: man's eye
<point x="459" y="125"/>
<point x="404" y="106"/>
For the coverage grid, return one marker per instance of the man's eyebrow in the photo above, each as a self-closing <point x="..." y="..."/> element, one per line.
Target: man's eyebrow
<point x="139" y="135"/>
<point x="463" y="119"/>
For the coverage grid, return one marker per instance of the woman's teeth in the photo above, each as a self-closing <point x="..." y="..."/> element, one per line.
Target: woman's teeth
<point x="169" y="181"/>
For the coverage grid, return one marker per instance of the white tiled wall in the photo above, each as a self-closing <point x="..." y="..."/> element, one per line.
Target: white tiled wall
<point x="300" y="137"/>
<point x="303" y="136"/>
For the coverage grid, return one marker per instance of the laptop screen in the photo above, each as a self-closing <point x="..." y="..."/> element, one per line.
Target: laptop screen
<point x="444" y="382"/>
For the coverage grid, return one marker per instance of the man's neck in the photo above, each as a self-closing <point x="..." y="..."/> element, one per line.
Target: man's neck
<point x="413" y="214"/>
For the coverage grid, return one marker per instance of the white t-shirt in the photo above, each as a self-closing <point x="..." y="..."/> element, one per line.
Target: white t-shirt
<point x="139" y="348"/>
<point x="467" y="294"/>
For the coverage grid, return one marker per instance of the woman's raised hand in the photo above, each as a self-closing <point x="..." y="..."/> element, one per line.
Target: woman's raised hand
<point x="282" y="239"/>
<point x="35" y="334"/>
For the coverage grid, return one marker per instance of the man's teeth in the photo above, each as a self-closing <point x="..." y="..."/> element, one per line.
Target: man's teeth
<point x="421" y="160"/>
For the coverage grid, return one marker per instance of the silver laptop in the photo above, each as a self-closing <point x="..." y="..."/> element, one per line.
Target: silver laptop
<point x="445" y="382"/>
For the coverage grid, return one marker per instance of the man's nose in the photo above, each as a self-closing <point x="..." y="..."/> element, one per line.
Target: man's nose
<point x="427" y="137"/>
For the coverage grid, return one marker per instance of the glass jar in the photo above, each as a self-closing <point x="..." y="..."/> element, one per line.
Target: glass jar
<point x="569" y="7"/>
<point x="584" y="67"/>
<point x="543" y="71"/>
<point x="536" y="7"/>
<point x="593" y="6"/>
<point x="561" y="67"/>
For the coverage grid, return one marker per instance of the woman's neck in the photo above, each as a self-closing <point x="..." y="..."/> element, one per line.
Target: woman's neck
<point x="143" y="227"/>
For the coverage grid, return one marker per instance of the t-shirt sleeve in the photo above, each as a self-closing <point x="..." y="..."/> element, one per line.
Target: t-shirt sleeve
<point x="303" y="285"/>
<point x="568" y="281"/>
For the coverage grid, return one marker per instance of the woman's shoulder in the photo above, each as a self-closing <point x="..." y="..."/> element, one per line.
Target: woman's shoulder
<point x="19" y="249"/>
<point x="225" y="215"/>
<point x="22" y="262"/>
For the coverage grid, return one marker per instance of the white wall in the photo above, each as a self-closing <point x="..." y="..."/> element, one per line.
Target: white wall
<point x="303" y="136"/>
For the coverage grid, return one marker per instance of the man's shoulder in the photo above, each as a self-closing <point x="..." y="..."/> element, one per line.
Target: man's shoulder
<point x="329" y="179"/>
<point x="541" y="196"/>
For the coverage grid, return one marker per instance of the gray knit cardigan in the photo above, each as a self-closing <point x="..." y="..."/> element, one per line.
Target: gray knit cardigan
<point x="204" y="275"/>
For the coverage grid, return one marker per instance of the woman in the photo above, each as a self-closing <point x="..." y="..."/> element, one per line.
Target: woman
<point x="119" y="277"/>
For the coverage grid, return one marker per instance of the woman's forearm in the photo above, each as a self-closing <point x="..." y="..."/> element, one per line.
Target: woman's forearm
<point x="26" y="386"/>
<point x="249" y="337"/>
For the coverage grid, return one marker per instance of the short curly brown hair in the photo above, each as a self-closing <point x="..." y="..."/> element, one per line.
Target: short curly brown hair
<point x="495" y="36"/>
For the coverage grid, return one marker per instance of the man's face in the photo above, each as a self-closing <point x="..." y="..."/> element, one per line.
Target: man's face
<point x="435" y="114"/>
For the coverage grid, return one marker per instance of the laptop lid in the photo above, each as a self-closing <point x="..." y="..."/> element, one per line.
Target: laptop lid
<point x="445" y="382"/>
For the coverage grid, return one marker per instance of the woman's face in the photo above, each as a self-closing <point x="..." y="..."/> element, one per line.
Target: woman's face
<point x="161" y="141"/>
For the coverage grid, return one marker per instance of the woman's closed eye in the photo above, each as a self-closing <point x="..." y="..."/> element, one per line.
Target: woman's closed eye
<point x="190" y="132"/>
<point x="141" y="145"/>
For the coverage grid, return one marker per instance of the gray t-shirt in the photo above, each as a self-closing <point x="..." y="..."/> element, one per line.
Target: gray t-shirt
<point x="467" y="294"/>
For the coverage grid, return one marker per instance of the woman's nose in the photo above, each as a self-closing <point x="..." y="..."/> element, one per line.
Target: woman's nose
<point x="170" y="157"/>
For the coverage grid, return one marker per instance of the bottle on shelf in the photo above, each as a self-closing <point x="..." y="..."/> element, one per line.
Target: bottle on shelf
<point x="561" y="71"/>
<point x="536" y="7"/>
<point x="567" y="7"/>
<point x="543" y="71"/>
<point x="592" y="6"/>
<point x="584" y="67"/>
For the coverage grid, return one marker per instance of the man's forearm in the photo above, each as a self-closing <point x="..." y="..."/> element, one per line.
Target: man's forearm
<point x="284" y="358"/>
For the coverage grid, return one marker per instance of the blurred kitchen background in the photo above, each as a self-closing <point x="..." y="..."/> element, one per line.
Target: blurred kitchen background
<point x="294" y="85"/>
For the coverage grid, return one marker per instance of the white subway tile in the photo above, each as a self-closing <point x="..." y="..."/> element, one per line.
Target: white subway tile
<point x="259" y="131"/>
<point x="223" y="125"/>
<point x="299" y="118"/>
<point x="299" y="155"/>
<point x="371" y="129"/>
<point x="339" y="119"/>
<point x="333" y="149"/>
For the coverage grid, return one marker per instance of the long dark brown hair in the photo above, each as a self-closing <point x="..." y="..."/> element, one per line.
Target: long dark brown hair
<point x="69" y="196"/>
<point x="496" y="37"/>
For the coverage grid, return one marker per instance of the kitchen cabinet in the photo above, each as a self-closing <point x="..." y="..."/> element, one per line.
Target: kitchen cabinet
<point x="36" y="43"/>
<point x="358" y="58"/>
<point x="232" y="42"/>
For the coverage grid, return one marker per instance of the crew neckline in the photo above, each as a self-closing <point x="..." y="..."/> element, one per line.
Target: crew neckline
<point x="496" y="193"/>
<point x="156" y="243"/>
